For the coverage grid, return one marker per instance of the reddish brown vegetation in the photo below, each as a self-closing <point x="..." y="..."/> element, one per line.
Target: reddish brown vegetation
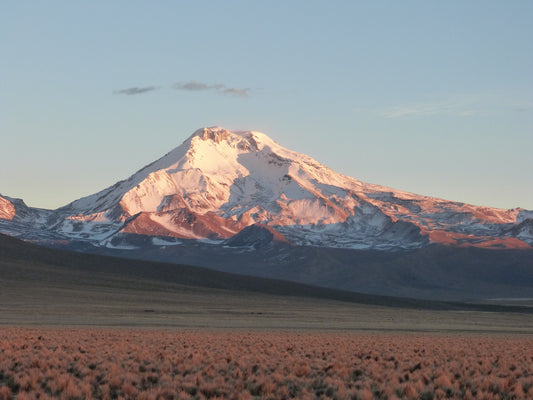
<point x="128" y="364"/>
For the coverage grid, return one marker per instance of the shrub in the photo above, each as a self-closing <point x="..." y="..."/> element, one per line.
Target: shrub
<point x="145" y="364"/>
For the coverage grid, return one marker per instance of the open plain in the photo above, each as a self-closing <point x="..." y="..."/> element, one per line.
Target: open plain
<point x="75" y="326"/>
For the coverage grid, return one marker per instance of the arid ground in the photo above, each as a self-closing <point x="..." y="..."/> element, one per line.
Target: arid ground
<point x="86" y="337"/>
<point x="187" y="364"/>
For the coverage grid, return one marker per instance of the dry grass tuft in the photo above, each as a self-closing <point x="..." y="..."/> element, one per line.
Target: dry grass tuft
<point x="77" y="364"/>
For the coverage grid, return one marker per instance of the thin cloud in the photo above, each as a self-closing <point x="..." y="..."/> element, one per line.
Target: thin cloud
<point x="425" y="110"/>
<point x="196" y="86"/>
<point x="136" y="90"/>
<point x="236" y="92"/>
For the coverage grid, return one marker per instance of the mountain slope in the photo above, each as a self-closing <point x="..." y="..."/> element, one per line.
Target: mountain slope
<point x="218" y="182"/>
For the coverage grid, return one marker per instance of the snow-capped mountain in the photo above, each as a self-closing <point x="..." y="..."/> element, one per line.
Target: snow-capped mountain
<point x="219" y="182"/>
<point x="17" y="219"/>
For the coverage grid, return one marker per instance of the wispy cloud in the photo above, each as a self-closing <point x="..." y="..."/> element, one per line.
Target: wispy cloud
<point x="427" y="109"/>
<point x="196" y="86"/>
<point x="236" y="92"/>
<point x="136" y="90"/>
<point x="192" y="86"/>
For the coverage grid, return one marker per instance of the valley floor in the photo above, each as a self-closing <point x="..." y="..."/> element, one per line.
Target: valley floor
<point x="92" y="300"/>
<point x="45" y="287"/>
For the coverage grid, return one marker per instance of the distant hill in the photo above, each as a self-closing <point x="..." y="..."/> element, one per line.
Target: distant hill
<point x="27" y="263"/>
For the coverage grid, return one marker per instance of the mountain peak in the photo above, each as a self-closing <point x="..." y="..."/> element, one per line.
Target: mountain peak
<point x="214" y="133"/>
<point x="218" y="182"/>
<point x="241" y="140"/>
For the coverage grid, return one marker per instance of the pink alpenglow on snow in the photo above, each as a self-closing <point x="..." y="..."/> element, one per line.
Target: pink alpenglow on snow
<point x="218" y="182"/>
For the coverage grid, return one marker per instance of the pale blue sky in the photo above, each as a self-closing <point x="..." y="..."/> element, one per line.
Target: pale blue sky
<point x="430" y="97"/>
